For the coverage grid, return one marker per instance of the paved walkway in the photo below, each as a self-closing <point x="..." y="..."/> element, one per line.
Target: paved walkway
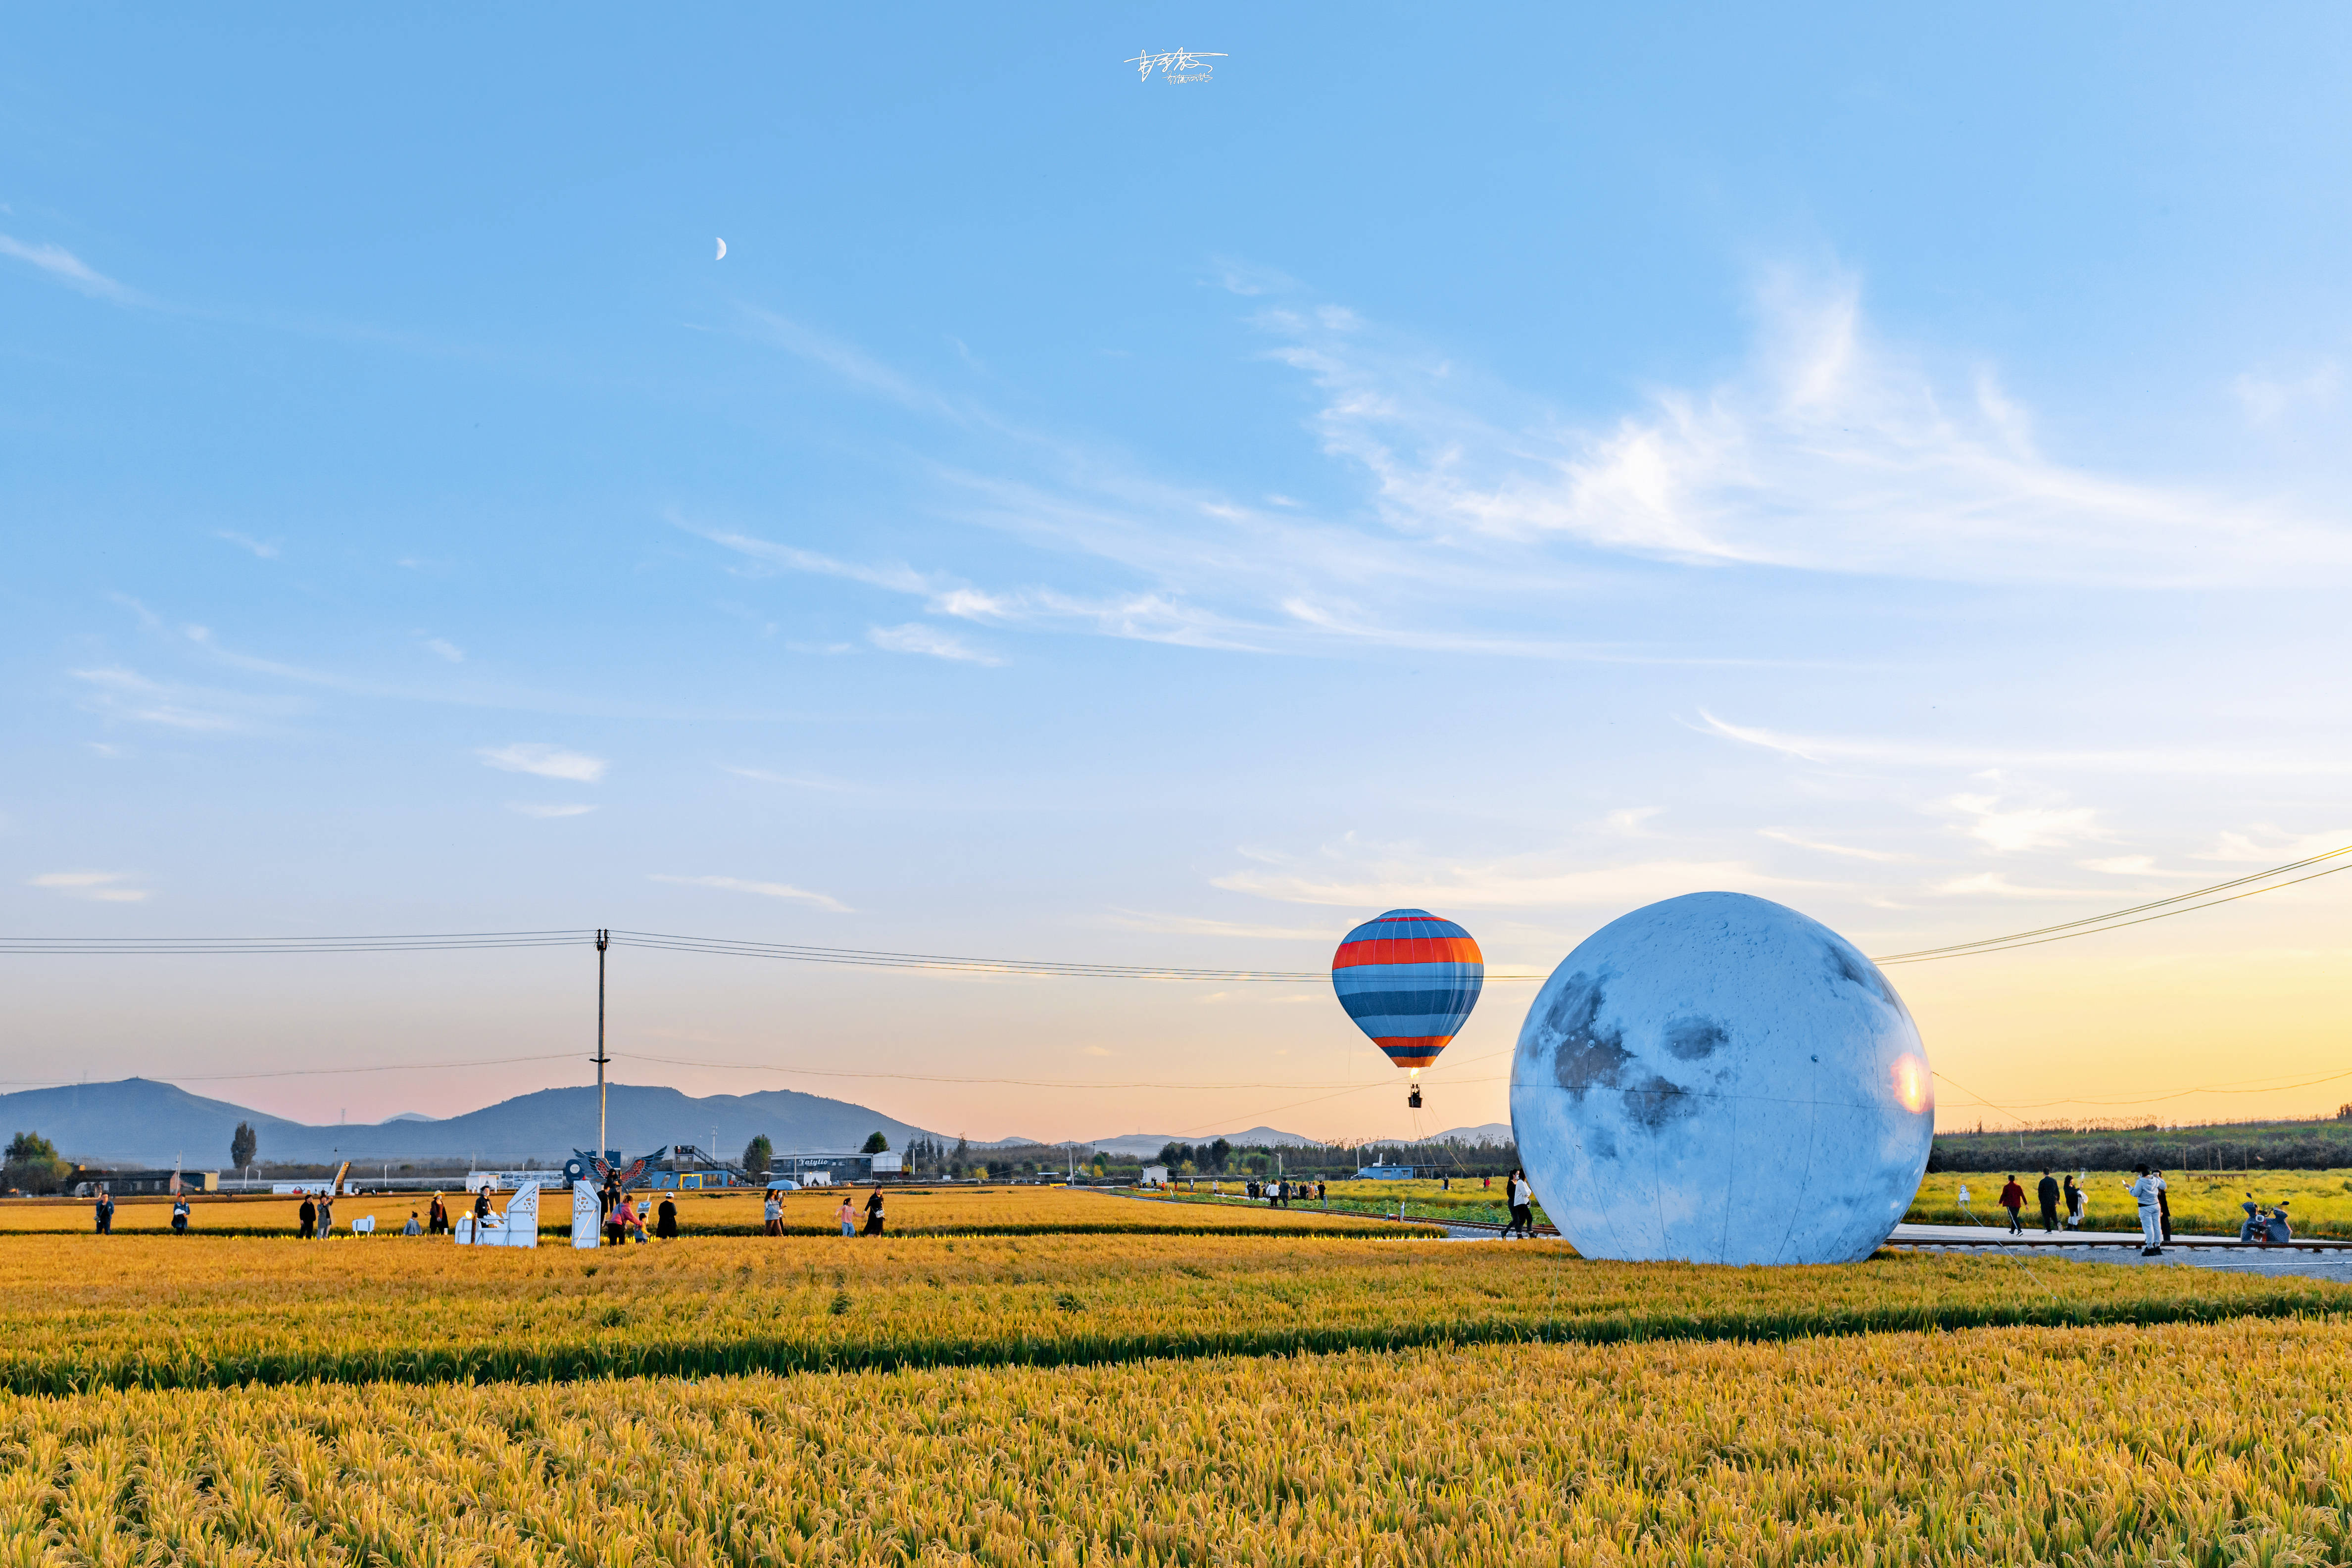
<point x="2122" y="1247"/>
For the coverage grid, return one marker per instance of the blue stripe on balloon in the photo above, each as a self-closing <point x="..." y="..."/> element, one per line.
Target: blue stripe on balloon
<point x="1370" y="977"/>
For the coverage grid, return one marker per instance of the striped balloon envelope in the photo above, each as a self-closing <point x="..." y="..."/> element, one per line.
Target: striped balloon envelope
<point x="1409" y="980"/>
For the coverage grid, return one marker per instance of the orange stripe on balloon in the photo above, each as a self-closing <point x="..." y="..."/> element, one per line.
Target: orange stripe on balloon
<point x="1408" y="950"/>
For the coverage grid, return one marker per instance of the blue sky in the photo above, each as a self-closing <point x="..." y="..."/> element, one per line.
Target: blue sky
<point x="1522" y="463"/>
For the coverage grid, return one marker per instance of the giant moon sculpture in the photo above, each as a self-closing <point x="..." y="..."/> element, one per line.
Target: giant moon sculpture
<point x="1718" y="1078"/>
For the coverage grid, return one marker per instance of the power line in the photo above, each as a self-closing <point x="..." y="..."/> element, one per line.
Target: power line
<point x="213" y="945"/>
<point x="325" y="1072"/>
<point x="1349" y="1087"/>
<point x="800" y="953"/>
<point x="2091" y="925"/>
<point x="884" y="958"/>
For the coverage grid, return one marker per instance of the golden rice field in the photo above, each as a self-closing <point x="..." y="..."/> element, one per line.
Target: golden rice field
<point x="2320" y="1202"/>
<point x="967" y="1211"/>
<point x="85" y="1311"/>
<point x="2076" y="1447"/>
<point x="1424" y="1198"/>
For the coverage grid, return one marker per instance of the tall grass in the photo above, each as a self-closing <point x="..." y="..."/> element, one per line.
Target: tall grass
<point x="952" y="1211"/>
<point x="2075" y="1448"/>
<point x="86" y="1312"/>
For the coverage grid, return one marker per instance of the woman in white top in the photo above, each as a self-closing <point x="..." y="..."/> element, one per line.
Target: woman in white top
<point x="776" y="1213"/>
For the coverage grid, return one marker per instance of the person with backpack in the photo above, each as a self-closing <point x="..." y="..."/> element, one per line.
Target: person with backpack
<point x="2012" y="1198"/>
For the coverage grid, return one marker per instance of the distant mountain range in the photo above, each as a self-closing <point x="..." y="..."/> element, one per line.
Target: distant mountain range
<point x="1147" y="1144"/>
<point x="139" y="1121"/>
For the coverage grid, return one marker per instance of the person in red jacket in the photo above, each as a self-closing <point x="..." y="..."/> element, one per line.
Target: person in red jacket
<point x="2012" y="1198"/>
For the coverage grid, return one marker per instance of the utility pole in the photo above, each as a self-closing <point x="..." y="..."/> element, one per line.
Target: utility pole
<point x="602" y="937"/>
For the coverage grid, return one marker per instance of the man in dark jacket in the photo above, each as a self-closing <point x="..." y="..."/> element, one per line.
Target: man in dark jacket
<point x="309" y="1214"/>
<point x="2048" y="1193"/>
<point x="2012" y="1198"/>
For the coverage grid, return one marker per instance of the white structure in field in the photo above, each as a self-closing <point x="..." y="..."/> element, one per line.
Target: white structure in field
<point x="1718" y="1078"/>
<point x="587" y="1214"/>
<point x="519" y="1227"/>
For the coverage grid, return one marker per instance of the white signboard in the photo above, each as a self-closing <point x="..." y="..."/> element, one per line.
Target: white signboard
<point x="522" y="1218"/>
<point x="587" y="1214"/>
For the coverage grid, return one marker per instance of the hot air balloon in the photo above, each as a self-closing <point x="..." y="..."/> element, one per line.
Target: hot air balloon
<point x="1409" y="980"/>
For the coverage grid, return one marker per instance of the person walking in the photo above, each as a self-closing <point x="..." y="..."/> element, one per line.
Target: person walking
<point x="309" y="1214"/>
<point x="874" y="1212"/>
<point x="179" y="1214"/>
<point x="2012" y="1198"/>
<point x="2148" y="1192"/>
<point x="1523" y="1212"/>
<point x="847" y="1217"/>
<point x="776" y="1213"/>
<point x="665" y="1218"/>
<point x="2074" y="1196"/>
<point x="2046" y="1191"/>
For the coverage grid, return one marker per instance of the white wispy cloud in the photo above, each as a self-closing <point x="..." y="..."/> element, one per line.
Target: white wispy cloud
<point x="1361" y="878"/>
<point x="2265" y="398"/>
<point x="446" y="649"/>
<point x="2132" y="866"/>
<point x="799" y="781"/>
<point x="766" y="889"/>
<point x="851" y="362"/>
<point x="547" y="762"/>
<point x="1197" y="925"/>
<point x="1834" y="451"/>
<point x="1878" y="752"/>
<point x="916" y="637"/>
<point x="531" y="809"/>
<point x="2013" y="829"/>
<point x="895" y="578"/>
<point x="2268" y="846"/>
<point x="1994" y="884"/>
<point x="117" y="693"/>
<point x="106" y="887"/>
<point x="67" y="269"/>
<point x="267" y="550"/>
<point x="1850" y="852"/>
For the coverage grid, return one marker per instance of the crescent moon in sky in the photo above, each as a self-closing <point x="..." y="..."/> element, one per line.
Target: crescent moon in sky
<point x="722" y="252"/>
